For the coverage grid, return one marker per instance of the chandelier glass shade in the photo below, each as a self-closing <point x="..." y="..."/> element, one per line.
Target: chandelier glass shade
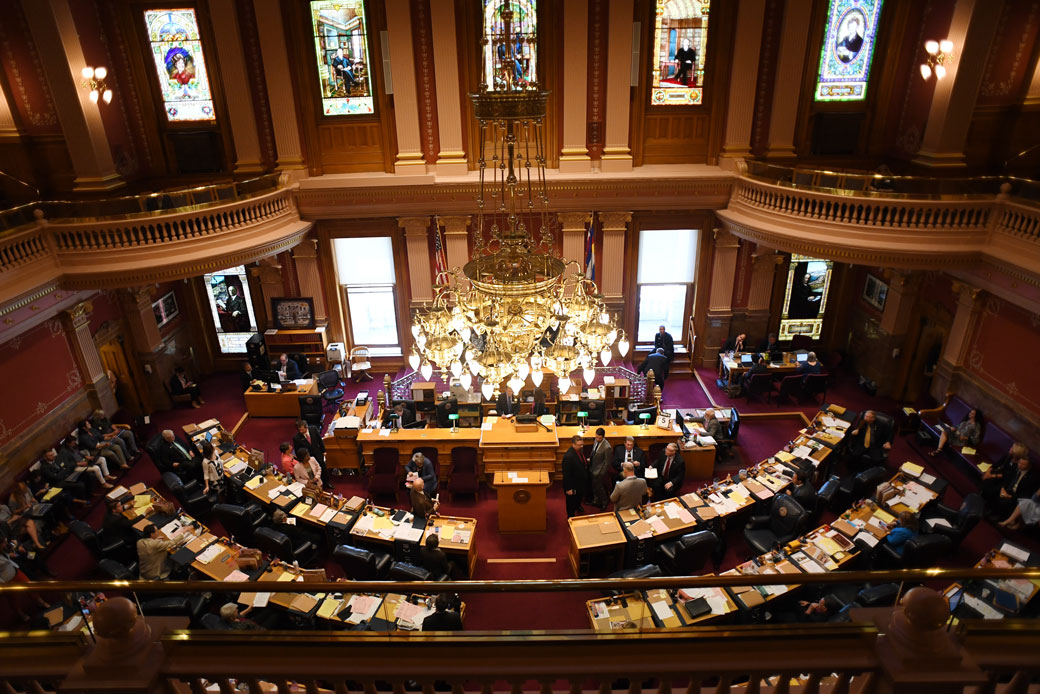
<point x="517" y="308"/>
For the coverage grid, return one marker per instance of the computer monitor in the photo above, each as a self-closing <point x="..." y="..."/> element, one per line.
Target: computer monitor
<point x="266" y="375"/>
<point x="682" y="424"/>
<point x="209" y="436"/>
<point x="745" y="359"/>
<point x="801" y="357"/>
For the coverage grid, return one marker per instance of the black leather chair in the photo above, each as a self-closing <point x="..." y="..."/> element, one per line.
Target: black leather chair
<point x="883" y="595"/>
<point x="960" y="521"/>
<point x="196" y="502"/>
<point x="312" y="409"/>
<point x="597" y="410"/>
<point x="329" y="386"/>
<point x="403" y="571"/>
<point x="278" y="544"/>
<point x="190" y="606"/>
<point x="240" y="521"/>
<point x="361" y="564"/>
<point x="859" y="486"/>
<point x="97" y="544"/>
<point x="734" y="426"/>
<point x="919" y="552"/>
<point x="633" y="412"/>
<point x="152" y="448"/>
<point x="646" y="571"/>
<point x="445" y="408"/>
<point x="687" y="555"/>
<point x="825" y="497"/>
<point x="785" y="522"/>
<point x="213" y="622"/>
<point x="417" y="424"/>
<point x="118" y="571"/>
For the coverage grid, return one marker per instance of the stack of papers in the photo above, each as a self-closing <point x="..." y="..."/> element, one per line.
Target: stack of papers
<point x="362" y="608"/>
<point x="210" y="553"/>
<point x="1016" y="553"/>
<point x="255" y="482"/>
<point x="911" y="469"/>
<point x="408" y="533"/>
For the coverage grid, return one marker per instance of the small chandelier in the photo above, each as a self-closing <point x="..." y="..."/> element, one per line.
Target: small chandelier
<point x="513" y="310"/>
<point x="938" y="54"/>
<point x="94" y="80"/>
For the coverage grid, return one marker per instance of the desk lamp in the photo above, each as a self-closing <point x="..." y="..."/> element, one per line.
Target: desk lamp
<point x="395" y="422"/>
<point x="454" y="418"/>
<point x="582" y="417"/>
<point x="645" y="417"/>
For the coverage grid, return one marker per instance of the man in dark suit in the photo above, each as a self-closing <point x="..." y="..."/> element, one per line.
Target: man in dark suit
<point x="432" y="557"/>
<point x="422" y="506"/>
<point x="445" y="618"/>
<point x="736" y="344"/>
<point x="176" y="457"/>
<point x="574" y="475"/>
<point x="809" y="367"/>
<point x="632" y="453"/>
<point x="505" y="405"/>
<point x="994" y="479"/>
<point x="599" y="463"/>
<point x="664" y="341"/>
<point x="288" y="369"/>
<point x="1021" y="484"/>
<point x="770" y="344"/>
<point x="671" y="471"/>
<point x="309" y="438"/>
<point x="181" y="385"/>
<point x="405" y="415"/>
<point x="801" y="490"/>
<point x="658" y="362"/>
<point x="246" y="376"/>
<point x="758" y="366"/>
<point x="869" y="443"/>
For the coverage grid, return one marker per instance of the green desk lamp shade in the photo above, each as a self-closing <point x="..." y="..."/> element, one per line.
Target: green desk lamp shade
<point x="583" y="413"/>
<point x="453" y="416"/>
<point x="644" y="415"/>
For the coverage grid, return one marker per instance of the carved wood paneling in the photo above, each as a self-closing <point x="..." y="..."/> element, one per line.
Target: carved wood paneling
<point x="350" y="147"/>
<point x="675" y="138"/>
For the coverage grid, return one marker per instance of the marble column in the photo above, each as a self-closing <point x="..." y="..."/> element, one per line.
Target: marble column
<point x="409" y="159"/>
<point x="617" y="156"/>
<point x="451" y="160"/>
<point x="612" y="274"/>
<point x="279" y="80"/>
<point x="456" y="239"/>
<point x="574" y="157"/>
<point x="720" y="294"/>
<point x="305" y="255"/>
<point x="972" y="31"/>
<point x="236" y="85"/>
<point x="54" y="28"/>
<point x="790" y="66"/>
<point x="417" y="248"/>
<point x="572" y="228"/>
<point x="76" y="322"/>
<point x="740" y="109"/>
<point x="269" y="272"/>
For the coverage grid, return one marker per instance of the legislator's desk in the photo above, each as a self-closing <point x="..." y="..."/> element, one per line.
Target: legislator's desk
<point x="596" y="538"/>
<point x="458" y="539"/>
<point x="271" y="403"/>
<point x="406" y="440"/>
<point x="663" y="608"/>
<point x="731" y="368"/>
<point x="700" y="460"/>
<point x="521" y="500"/>
<point x="504" y="449"/>
<point x="660" y="520"/>
<point x="341" y="442"/>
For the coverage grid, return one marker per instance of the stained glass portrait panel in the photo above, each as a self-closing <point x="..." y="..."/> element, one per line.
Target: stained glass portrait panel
<point x="678" y="52"/>
<point x="173" y="37"/>
<point x="341" y="47"/>
<point x="510" y="56"/>
<point x="848" y="49"/>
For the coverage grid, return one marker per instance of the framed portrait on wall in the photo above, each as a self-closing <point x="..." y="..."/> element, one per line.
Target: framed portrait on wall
<point x="293" y="313"/>
<point x="805" y="299"/>
<point x="165" y="309"/>
<point x="875" y="292"/>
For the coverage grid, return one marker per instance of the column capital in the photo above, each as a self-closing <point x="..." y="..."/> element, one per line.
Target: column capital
<point x="767" y="256"/>
<point x="267" y="273"/>
<point x="724" y="239"/>
<point x="574" y="221"/>
<point x="140" y="296"/>
<point x="414" y="226"/>
<point x="966" y="293"/>
<point x="615" y="220"/>
<point x="454" y="224"/>
<point x="79" y="314"/>
<point x="308" y="248"/>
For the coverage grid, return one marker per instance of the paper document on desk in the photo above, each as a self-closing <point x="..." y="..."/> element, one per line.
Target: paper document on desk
<point x="802" y="452"/>
<point x="210" y="553"/>
<point x="276" y="492"/>
<point x="254" y="599"/>
<point x="486" y="426"/>
<point x="348" y="422"/>
<point x="236" y="467"/>
<point x="658" y="525"/>
<point x="599" y="610"/>
<point x="926" y="478"/>
<point x="651" y="473"/>
<point x="329" y="607"/>
<point x="327" y="515"/>
<point x="384" y="432"/>
<point x="1014" y="552"/>
<point x="982" y="607"/>
<point x="362" y="607"/>
<point x="408" y="533"/>
<point x="363" y="525"/>
<point x="255" y="482"/>
<point x="173" y="529"/>
<point x="318" y="510"/>
<point x="662" y="609"/>
<point x="237" y="576"/>
<point x="706" y="440"/>
<point x="784" y="456"/>
<point x="866" y="538"/>
<point x="671" y="511"/>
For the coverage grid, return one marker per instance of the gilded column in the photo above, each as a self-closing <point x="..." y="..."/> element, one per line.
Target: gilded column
<point x="972" y="31"/>
<point x="574" y="157"/>
<point x="305" y="255"/>
<point x="54" y="30"/>
<point x="740" y="109"/>
<point x="7" y="126"/>
<point x="269" y="272"/>
<point x="720" y="295"/>
<point x="236" y="84"/>
<point x="420" y="275"/>
<point x="406" y="103"/>
<point x="76" y="322"/>
<point x="451" y="160"/>
<point x="616" y="153"/>
<point x="611" y="277"/>
<point x="456" y="239"/>
<point x="789" y="67"/>
<point x="279" y="81"/>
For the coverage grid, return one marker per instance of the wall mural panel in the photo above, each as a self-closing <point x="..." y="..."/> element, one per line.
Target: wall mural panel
<point x="680" y="47"/>
<point x="847" y="50"/>
<point x="180" y="66"/>
<point x="1003" y="333"/>
<point x="340" y="30"/>
<point x="805" y="300"/>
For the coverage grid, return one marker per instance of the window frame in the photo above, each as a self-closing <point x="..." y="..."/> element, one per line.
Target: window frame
<point x="401" y="278"/>
<point x="345" y="289"/>
<point x="687" y="309"/>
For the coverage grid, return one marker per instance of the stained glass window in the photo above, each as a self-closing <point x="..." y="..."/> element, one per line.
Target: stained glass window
<point x="848" y="48"/>
<point x="679" y="48"/>
<point x="177" y="50"/>
<point x="341" y="46"/>
<point x="232" y="307"/>
<point x="511" y="53"/>
<point x="808" y="283"/>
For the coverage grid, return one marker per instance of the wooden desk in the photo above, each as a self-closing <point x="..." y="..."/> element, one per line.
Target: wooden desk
<point x="381" y="518"/>
<point x="504" y="449"/>
<point x="261" y="491"/>
<point x="405" y="440"/>
<point x="341" y="444"/>
<point x="657" y="520"/>
<point x="731" y="369"/>
<point x="521" y="501"/>
<point x="598" y="534"/>
<point x="278" y="403"/>
<point x="458" y="538"/>
<point x="626" y="612"/>
<point x="221" y="566"/>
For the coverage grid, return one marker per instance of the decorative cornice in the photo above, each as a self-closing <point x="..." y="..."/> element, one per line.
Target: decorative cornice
<point x="614" y="220"/>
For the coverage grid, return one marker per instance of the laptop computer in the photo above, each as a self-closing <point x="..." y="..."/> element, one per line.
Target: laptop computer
<point x="776" y="357"/>
<point x="801" y="357"/>
<point x="745" y="359"/>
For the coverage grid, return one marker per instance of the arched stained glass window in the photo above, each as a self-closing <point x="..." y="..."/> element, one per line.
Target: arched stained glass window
<point x="848" y="49"/>
<point x="173" y="36"/>
<point x="510" y="57"/>
<point x="341" y="46"/>
<point x="678" y="52"/>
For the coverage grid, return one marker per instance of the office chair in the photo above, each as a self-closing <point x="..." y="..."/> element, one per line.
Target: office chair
<point x="278" y="544"/>
<point x="597" y="412"/>
<point x="96" y="543"/>
<point x="195" y="501"/>
<point x="633" y="412"/>
<point x="919" y="552"/>
<point x="688" y="554"/>
<point x="329" y="387"/>
<point x="961" y="520"/>
<point x="312" y="409"/>
<point x="239" y="521"/>
<point x="118" y="571"/>
<point x="785" y="522"/>
<point x="361" y="564"/>
<point x="445" y="408"/>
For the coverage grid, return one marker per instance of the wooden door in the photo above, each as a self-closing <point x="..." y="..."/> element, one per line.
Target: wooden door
<point x="113" y="358"/>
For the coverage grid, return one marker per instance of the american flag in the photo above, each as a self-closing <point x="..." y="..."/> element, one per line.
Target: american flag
<point x="590" y="252"/>
<point x="439" y="259"/>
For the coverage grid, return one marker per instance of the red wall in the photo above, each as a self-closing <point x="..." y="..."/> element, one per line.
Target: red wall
<point x="1004" y="337"/>
<point x="39" y="375"/>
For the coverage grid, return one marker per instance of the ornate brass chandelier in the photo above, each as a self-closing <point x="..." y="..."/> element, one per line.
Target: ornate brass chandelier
<point x="514" y="309"/>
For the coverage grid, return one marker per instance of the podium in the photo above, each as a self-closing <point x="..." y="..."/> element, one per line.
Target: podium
<point x="521" y="501"/>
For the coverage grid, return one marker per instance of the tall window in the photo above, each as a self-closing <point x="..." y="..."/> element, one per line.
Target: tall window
<point x="680" y="43"/>
<point x="341" y="45"/>
<point x="365" y="268"/>
<point x="232" y="307"/>
<point x="848" y="48"/>
<point x="510" y="64"/>
<point x="173" y="36"/>
<point x="805" y="301"/>
<point x="665" y="281"/>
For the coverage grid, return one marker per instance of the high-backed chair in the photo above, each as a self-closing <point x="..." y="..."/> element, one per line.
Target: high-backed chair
<point x="597" y="410"/>
<point x="329" y="386"/>
<point x="787" y="389"/>
<point x="919" y="552"/>
<point x="96" y="543"/>
<point x="445" y="408"/>
<point x="785" y="522"/>
<point x="645" y="571"/>
<point x="859" y="486"/>
<point x="382" y="478"/>
<point x="955" y="523"/>
<point x="800" y="342"/>
<point x="734" y="426"/>
<point x="181" y="399"/>
<point x="361" y="564"/>
<point x="825" y="497"/>
<point x="687" y="555"/>
<point x="465" y="477"/>
<point x="312" y="409"/>
<point x="403" y="571"/>
<point x="757" y="386"/>
<point x="815" y="388"/>
<point x="360" y="364"/>
<point x="118" y="571"/>
<point x="279" y="544"/>
<point x="194" y="500"/>
<point x="238" y="521"/>
<point x="189" y="606"/>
